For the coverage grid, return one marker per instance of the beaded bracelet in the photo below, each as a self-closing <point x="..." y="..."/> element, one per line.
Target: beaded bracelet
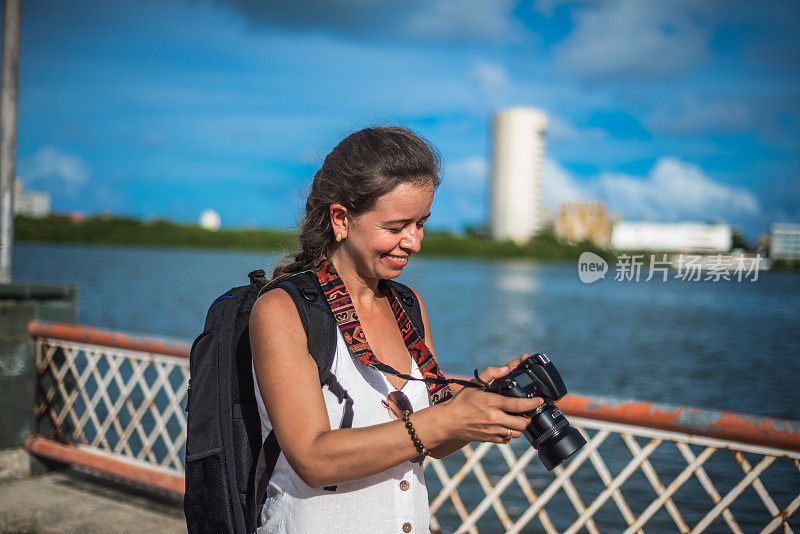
<point x="417" y="443"/>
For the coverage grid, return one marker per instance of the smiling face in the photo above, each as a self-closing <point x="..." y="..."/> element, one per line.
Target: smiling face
<point x="379" y="241"/>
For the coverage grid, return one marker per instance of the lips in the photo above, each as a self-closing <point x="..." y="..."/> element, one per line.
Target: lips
<point x="398" y="261"/>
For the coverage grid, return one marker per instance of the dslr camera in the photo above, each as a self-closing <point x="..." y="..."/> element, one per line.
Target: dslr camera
<point x="549" y="432"/>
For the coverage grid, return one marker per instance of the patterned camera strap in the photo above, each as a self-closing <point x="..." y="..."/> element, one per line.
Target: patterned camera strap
<point x="343" y="310"/>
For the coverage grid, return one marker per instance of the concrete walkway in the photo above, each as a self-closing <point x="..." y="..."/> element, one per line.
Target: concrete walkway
<point x="74" y="501"/>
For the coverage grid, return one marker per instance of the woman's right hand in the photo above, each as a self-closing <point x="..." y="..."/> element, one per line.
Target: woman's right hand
<point x="475" y="415"/>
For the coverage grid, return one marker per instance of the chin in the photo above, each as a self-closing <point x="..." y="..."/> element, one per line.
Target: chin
<point x="390" y="273"/>
<point x="397" y="269"/>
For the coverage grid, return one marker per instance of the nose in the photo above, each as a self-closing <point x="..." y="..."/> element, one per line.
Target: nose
<point x="412" y="241"/>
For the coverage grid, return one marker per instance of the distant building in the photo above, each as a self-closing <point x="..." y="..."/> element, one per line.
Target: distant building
<point x="671" y="237"/>
<point x="762" y="245"/>
<point x="784" y="241"/>
<point x="516" y="210"/>
<point x="581" y="221"/>
<point x="76" y="217"/>
<point x="210" y="220"/>
<point x="30" y="203"/>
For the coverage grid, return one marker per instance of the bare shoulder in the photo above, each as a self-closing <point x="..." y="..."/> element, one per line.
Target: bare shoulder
<point x="274" y="321"/>
<point x="275" y="300"/>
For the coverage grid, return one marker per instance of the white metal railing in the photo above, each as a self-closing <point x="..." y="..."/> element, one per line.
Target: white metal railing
<point x="599" y="481"/>
<point x="120" y="399"/>
<point x="124" y="403"/>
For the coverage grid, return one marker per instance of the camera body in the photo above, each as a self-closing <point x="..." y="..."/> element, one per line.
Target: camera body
<point x="549" y="432"/>
<point x="534" y="377"/>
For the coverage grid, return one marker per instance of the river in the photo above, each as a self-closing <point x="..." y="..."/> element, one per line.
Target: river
<point x="722" y="345"/>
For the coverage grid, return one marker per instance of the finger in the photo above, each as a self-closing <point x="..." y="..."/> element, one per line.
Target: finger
<point x="515" y="362"/>
<point x="497" y="438"/>
<point x="516" y="423"/>
<point x="502" y="435"/>
<point x="515" y="405"/>
<point x="490" y="373"/>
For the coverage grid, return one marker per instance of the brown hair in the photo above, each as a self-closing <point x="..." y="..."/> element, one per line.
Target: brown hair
<point x="364" y="166"/>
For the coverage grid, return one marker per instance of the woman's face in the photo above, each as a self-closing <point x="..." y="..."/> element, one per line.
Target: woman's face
<point x="380" y="241"/>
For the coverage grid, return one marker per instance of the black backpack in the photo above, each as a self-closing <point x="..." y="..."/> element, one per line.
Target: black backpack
<point x="228" y="466"/>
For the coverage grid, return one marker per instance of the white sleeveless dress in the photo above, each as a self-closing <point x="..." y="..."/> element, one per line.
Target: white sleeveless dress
<point x="393" y="501"/>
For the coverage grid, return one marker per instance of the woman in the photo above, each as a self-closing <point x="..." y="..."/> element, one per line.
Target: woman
<point x="364" y="218"/>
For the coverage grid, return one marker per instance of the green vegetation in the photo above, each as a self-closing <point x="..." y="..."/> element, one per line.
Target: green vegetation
<point x="545" y="246"/>
<point x="127" y="231"/>
<point x="738" y="240"/>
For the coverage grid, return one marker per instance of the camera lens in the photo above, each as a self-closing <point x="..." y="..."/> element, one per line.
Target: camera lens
<point x="549" y="433"/>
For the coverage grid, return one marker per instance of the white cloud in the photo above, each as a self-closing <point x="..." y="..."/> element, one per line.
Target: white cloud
<point x="464" y="190"/>
<point x="52" y="168"/>
<point x="558" y="186"/>
<point x="672" y="190"/>
<point x="548" y="7"/>
<point x="695" y="116"/>
<point x="468" y="175"/>
<point x="492" y="78"/>
<point x="558" y="128"/>
<point x="636" y="39"/>
<point x="464" y="19"/>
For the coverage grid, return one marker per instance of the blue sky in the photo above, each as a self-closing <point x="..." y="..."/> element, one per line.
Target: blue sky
<point x="664" y="110"/>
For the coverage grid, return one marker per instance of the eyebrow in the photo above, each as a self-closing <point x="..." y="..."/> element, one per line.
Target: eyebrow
<point x="398" y="221"/>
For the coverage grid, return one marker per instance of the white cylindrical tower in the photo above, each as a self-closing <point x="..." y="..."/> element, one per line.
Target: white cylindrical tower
<point x="517" y="211"/>
<point x="210" y="220"/>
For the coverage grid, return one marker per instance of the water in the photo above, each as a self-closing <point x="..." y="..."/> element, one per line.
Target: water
<point x="726" y="345"/>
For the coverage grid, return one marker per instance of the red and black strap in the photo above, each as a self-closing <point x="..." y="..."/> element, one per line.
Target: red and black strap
<point x="345" y="314"/>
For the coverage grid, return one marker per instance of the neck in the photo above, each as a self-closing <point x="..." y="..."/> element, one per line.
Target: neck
<point x="362" y="290"/>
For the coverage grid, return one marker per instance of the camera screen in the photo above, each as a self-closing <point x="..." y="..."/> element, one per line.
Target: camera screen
<point x="524" y="380"/>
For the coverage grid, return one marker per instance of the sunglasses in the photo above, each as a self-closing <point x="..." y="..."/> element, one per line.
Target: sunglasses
<point x="397" y="403"/>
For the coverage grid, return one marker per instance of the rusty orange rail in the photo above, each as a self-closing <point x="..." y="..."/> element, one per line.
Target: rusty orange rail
<point x="108" y="338"/>
<point x="761" y="430"/>
<point x="76" y="455"/>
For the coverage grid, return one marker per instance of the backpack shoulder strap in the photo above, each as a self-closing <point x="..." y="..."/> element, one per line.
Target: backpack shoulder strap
<point x="320" y="327"/>
<point x="410" y="304"/>
<point x="264" y="467"/>
<point x="316" y="316"/>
